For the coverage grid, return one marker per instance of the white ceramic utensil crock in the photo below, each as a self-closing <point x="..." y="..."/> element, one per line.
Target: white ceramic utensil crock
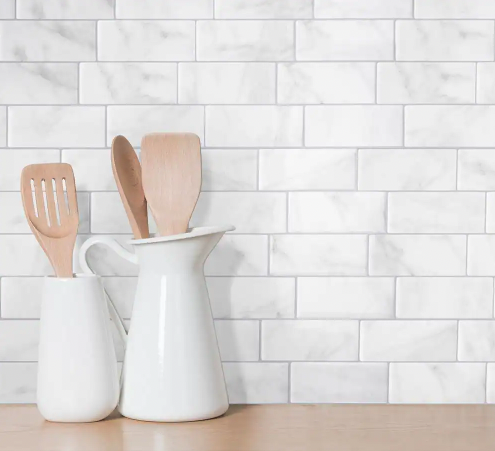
<point x="172" y="368"/>
<point x="78" y="379"/>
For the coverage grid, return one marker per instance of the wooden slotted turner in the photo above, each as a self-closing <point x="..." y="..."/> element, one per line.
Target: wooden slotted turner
<point x="171" y="165"/>
<point x="50" y="203"/>
<point x="127" y="172"/>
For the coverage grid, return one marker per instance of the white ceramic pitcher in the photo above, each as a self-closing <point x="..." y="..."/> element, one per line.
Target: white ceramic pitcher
<point x="172" y="369"/>
<point x="77" y="368"/>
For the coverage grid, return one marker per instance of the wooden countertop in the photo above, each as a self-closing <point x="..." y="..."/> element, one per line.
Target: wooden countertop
<point x="265" y="428"/>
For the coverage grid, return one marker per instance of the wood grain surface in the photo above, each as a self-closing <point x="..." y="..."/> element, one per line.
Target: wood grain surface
<point x="171" y="166"/>
<point x="128" y="177"/>
<point x="288" y="427"/>
<point x="52" y="211"/>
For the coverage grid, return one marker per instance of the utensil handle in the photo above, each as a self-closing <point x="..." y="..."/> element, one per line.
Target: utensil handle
<point x="121" y="252"/>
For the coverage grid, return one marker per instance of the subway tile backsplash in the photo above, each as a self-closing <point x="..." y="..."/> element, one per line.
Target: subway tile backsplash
<point x="351" y="144"/>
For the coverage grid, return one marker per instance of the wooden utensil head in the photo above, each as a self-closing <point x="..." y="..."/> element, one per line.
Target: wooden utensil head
<point x="171" y="164"/>
<point x="50" y="203"/>
<point x="127" y="172"/>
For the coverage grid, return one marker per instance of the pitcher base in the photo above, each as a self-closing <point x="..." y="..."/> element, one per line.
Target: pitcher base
<point x="174" y="418"/>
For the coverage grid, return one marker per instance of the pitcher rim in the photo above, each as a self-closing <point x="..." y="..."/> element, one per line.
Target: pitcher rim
<point x="191" y="233"/>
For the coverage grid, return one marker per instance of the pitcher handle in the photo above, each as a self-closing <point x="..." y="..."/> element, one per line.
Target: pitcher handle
<point x="121" y="252"/>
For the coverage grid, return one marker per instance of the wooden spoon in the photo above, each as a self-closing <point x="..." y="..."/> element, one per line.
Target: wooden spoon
<point x="50" y="203"/>
<point x="171" y="178"/>
<point x="127" y="173"/>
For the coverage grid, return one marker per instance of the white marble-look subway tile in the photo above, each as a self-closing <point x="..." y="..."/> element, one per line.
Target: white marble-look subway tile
<point x="19" y="340"/>
<point x="164" y="9"/>
<point x="229" y="169"/>
<point x="65" y="9"/>
<point x="7" y="9"/>
<point x="437" y="383"/>
<point x="345" y="297"/>
<point x="238" y="340"/>
<point x="417" y="255"/>
<point x="309" y="83"/>
<point x="485" y="85"/>
<point x="313" y="255"/>
<point x="248" y="212"/>
<point x="134" y="83"/>
<point x="353" y="125"/>
<point x="320" y="40"/>
<point x="477" y="341"/>
<point x="239" y="255"/>
<point x="226" y="83"/>
<point x="363" y="9"/>
<point x="12" y="161"/>
<point x="404" y="341"/>
<point x="3" y="126"/>
<point x="490" y="212"/>
<point x="263" y="9"/>
<point x="444" y="297"/>
<point x="108" y="214"/>
<point x="407" y="169"/>
<point x="47" y="41"/>
<point x="21" y="297"/>
<point x="13" y="220"/>
<point x="253" y="126"/>
<point x="53" y="126"/>
<point x="18" y="383"/>
<point x="83" y="210"/>
<point x="252" y="297"/>
<point x="490" y="383"/>
<point x="339" y="382"/>
<point x="307" y="169"/>
<point x="38" y="83"/>
<point x="337" y="212"/>
<point x="257" y="383"/>
<point x="92" y="169"/>
<point x="22" y="256"/>
<point x="444" y="40"/>
<point x="481" y="255"/>
<point x="426" y="82"/>
<point x="476" y="170"/>
<point x="436" y="212"/>
<point x="145" y="40"/>
<point x="454" y="9"/>
<point x="306" y="340"/>
<point x="254" y="40"/>
<point x="449" y="126"/>
<point x="135" y="121"/>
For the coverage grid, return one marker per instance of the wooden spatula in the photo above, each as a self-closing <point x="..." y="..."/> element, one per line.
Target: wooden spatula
<point x="171" y="165"/>
<point x="127" y="172"/>
<point x="50" y="203"/>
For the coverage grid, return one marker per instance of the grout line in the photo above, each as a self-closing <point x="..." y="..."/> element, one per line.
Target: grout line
<point x="272" y="19"/>
<point x="376" y="83"/>
<point x="260" y="325"/>
<point x="396" y="281"/>
<point x="296" y="296"/>
<point x="486" y="383"/>
<point x="195" y="40"/>
<point x="486" y="212"/>
<point x="289" y="397"/>
<point x="330" y="362"/>
<point x="457" y="342"/>
<point x="388" y="382"/>
<point x="7" y="134"/>
<point x="476" y="82"/>
<point x="394" y="40"/>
